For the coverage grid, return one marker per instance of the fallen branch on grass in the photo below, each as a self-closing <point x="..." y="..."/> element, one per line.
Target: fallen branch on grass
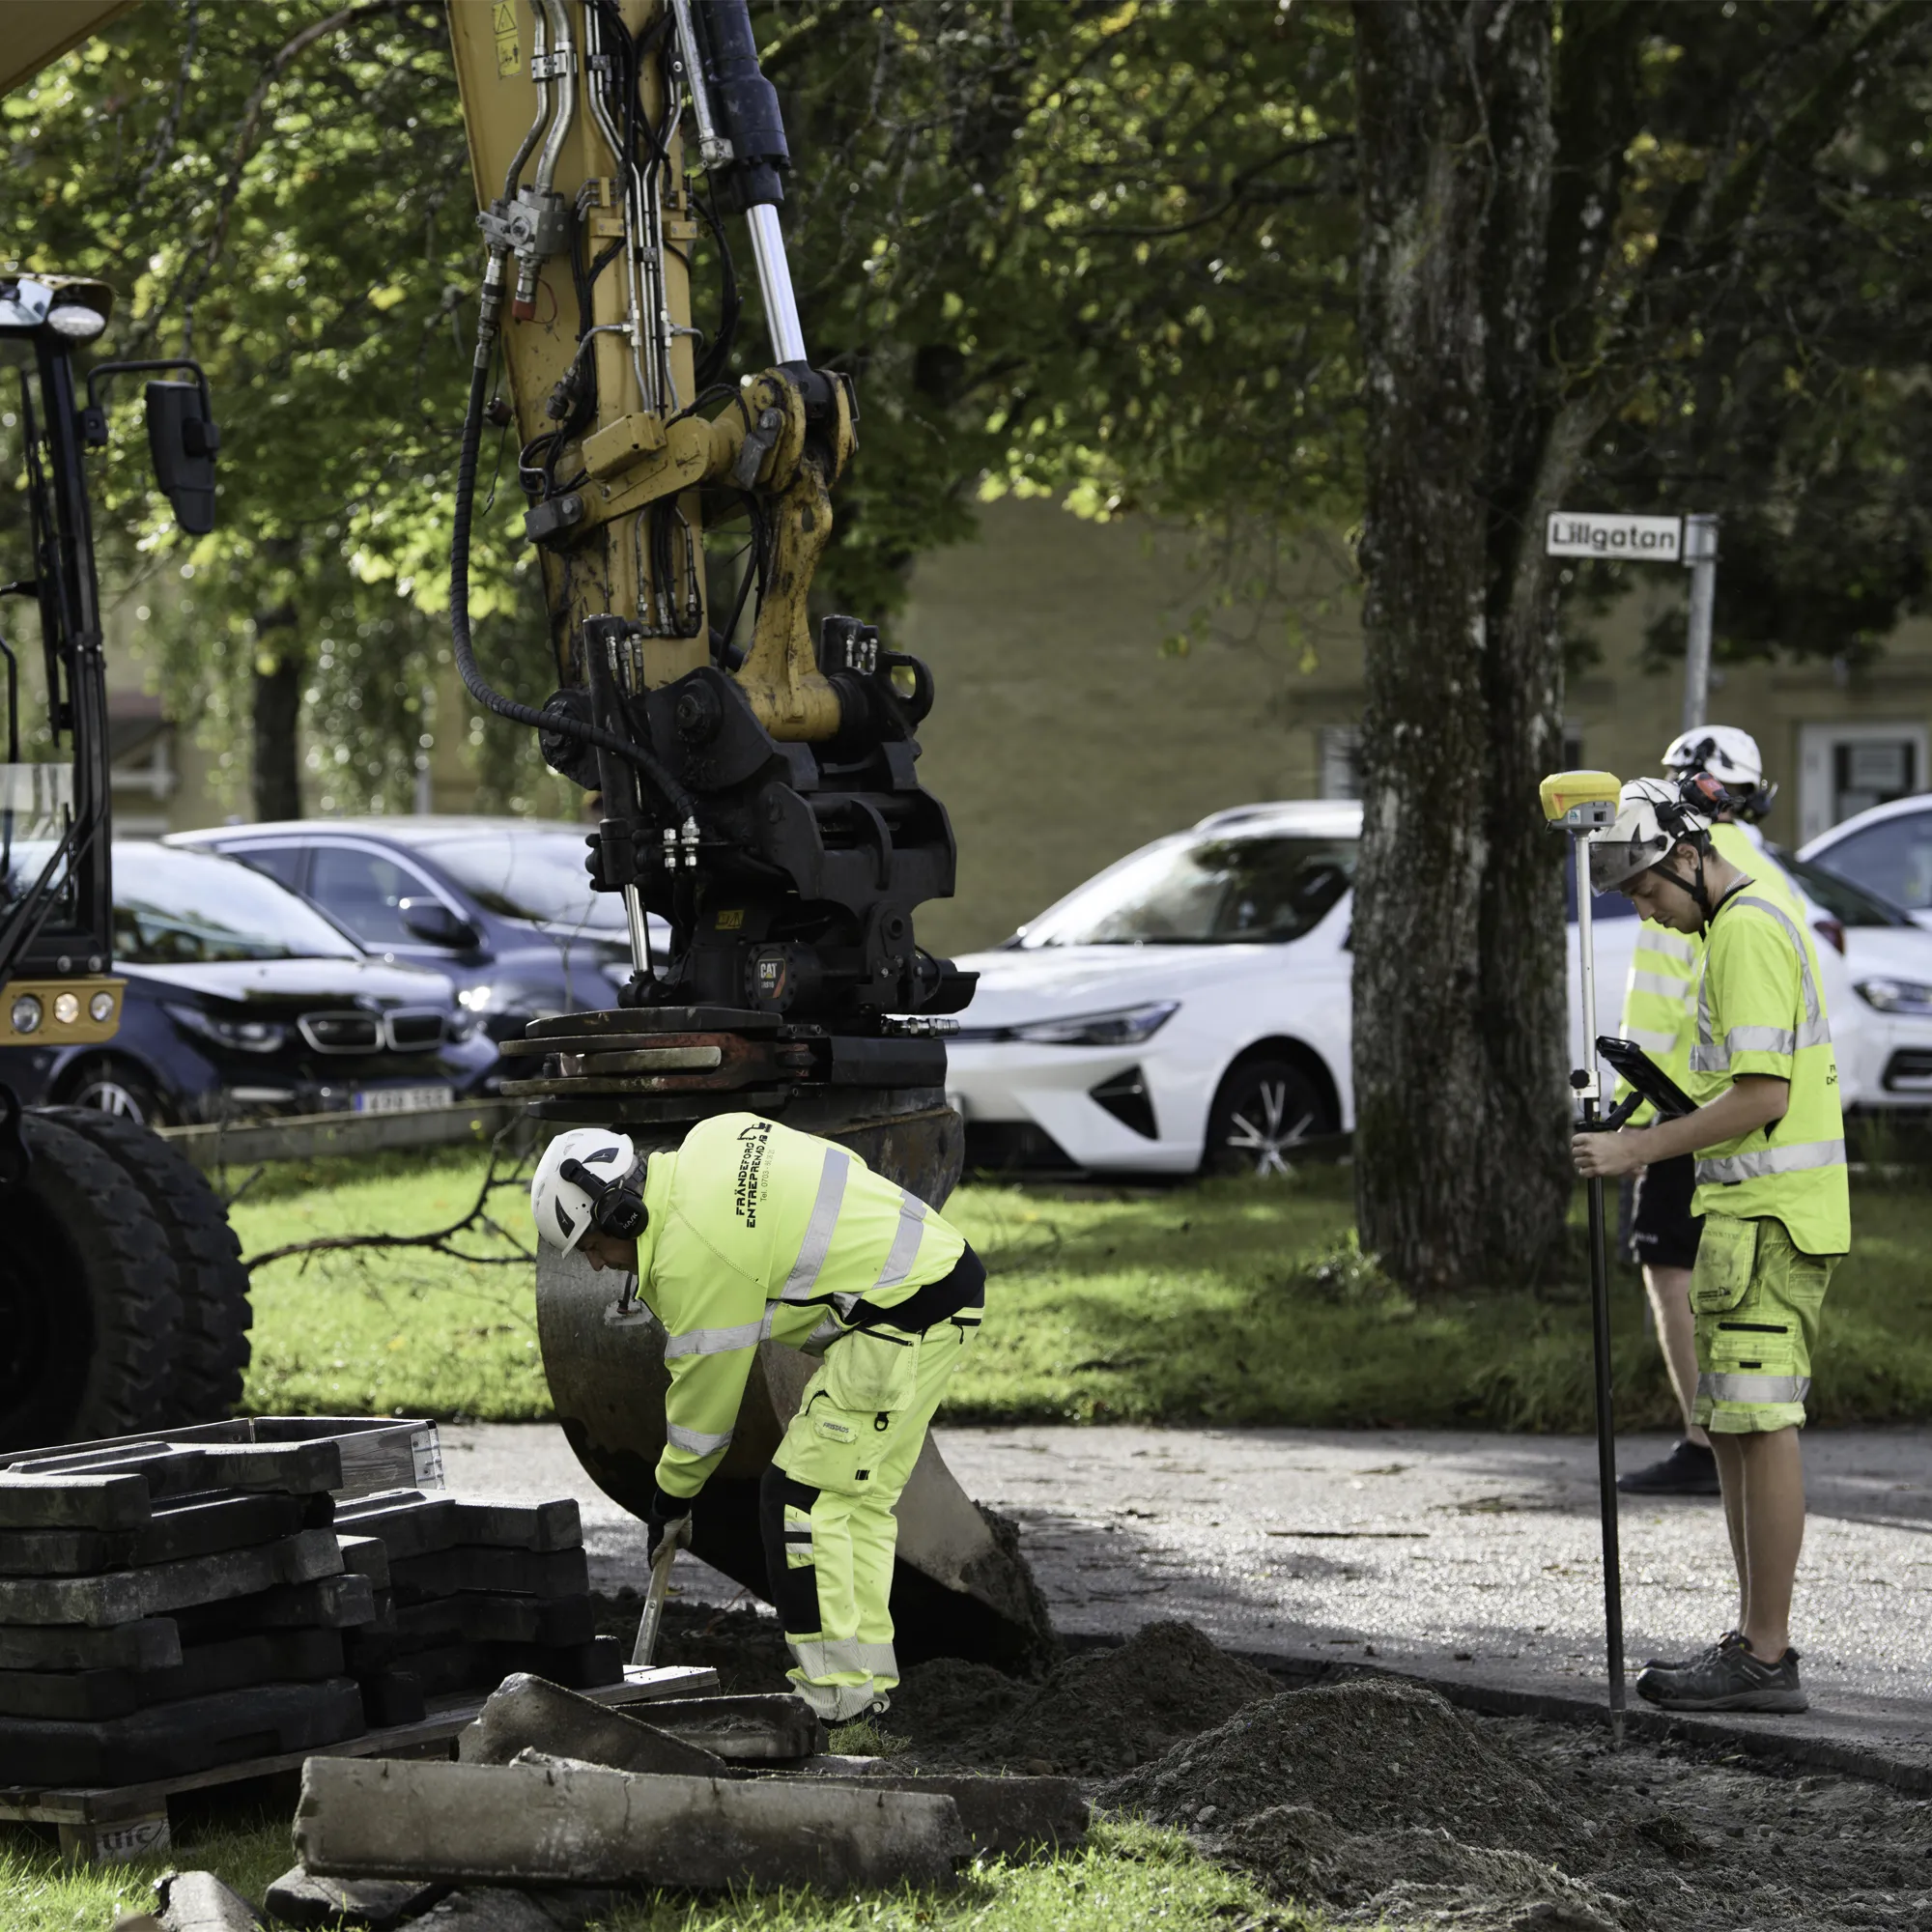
<point x="435" y="1241"/>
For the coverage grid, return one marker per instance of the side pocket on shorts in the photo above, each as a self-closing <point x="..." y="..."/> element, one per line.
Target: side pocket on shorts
<point x="1726" y="1254"/>
<point x="871" y="1373"/>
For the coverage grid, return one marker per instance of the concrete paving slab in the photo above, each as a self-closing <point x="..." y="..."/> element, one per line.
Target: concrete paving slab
<point x="1466" y="1559"/>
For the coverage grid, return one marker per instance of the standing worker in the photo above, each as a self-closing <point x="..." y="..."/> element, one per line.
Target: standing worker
<point x="1660" y="1015"/>
<point x="750" y="1230"/>
<point x="1772" y="1189"/>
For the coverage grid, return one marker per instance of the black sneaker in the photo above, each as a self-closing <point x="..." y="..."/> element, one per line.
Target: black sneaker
<point x="1724" y="1642"/>
<point x="1689" y="1471"/>
<point x="1730" y="1679"/>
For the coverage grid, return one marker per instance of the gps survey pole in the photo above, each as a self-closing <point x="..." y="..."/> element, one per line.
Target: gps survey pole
<point x="1581" y="804"/>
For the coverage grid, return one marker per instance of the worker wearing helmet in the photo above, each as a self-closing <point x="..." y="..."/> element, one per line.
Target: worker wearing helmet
<point x="1772" y="1188"/>
<point x="1660" y="1015"/>
<point x="750" y="1230"/>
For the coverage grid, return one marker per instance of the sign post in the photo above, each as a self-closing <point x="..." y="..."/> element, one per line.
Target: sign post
<point x="1691" y="541"/>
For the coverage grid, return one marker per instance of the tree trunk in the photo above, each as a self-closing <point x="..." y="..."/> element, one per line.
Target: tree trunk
<point x="1459" y="1053"/>
<point x="275" y="761"/>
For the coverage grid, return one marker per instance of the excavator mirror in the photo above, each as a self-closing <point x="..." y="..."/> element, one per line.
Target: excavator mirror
<point x="183" y="438"/>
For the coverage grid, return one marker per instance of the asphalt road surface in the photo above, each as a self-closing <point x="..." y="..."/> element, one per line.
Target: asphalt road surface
<point x="1421" y="1548"/>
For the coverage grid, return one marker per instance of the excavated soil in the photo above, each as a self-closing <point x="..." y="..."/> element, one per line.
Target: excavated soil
<point x="746" y="1649"/>
<point x="1098" y="1713"/>
<point x="1382" y="1802"/>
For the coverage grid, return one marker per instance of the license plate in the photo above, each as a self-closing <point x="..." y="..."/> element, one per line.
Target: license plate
<point x="402" y="1099"/>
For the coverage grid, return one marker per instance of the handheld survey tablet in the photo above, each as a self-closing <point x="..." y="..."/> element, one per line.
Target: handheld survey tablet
<point x="1646" y="1080"/>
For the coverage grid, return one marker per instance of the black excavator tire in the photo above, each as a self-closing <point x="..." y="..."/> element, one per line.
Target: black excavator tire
<point x="214" y="1350"/>
<point x="89" y="1298"/>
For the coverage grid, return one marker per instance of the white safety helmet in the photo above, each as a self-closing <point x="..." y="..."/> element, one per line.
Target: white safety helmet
<point x="586" y="1180"/>
<point x="1730" y="755"/>
<point x="1653" y="817"/>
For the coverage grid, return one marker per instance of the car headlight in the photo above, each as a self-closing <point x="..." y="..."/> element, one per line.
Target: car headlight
<point x="1896" y="996"/>
<point x="1127" y="1027"/>
<point x="237" y="1036"/>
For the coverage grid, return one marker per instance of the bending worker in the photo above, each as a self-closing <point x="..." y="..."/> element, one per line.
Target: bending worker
<point x="1772" y="1189"/>
<point x="1661" y="1016"/>
<point x="751" y="1230"/>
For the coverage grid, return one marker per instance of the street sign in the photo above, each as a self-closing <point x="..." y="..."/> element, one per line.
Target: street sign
<point x="1641" y="539"/>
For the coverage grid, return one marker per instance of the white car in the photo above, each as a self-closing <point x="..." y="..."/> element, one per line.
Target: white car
<point x="1888" y="850"/>
<point x="1188" y="1008"/>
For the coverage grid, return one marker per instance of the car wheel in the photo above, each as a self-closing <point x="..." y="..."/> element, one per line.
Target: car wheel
<point x="216" y="1314"/>
<point x="1265" y="1109"/>
<point x="88" y="1298"/>
<point x="118" y="1088"/>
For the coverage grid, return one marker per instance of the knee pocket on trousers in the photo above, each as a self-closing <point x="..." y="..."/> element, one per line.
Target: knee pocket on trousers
<point x="871" y="1373"/>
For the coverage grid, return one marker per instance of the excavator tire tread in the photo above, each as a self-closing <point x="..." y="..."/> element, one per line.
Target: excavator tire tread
<point x="214" y="1286"/>
<point x="87" y="1214"/>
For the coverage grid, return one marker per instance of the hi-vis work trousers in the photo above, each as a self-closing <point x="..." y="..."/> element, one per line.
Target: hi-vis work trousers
<point x="827" y="1504"/>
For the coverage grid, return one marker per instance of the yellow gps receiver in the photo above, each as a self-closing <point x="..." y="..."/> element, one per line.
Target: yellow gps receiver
<point x="1580" y="801"/>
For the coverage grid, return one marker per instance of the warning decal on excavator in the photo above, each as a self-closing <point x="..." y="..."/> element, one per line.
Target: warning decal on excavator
<point x="503" y="24"/>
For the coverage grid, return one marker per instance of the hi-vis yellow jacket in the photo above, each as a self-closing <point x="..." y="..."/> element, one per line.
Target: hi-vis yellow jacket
<point x="1660" y="994"/>
<point x="759" y="1229"/>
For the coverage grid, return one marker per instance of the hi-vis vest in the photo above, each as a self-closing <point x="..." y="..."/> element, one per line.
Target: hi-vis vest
<point x="759" y="1229"/>
<point x="1661" y="993"/>
<point x="1760" y="1010"/>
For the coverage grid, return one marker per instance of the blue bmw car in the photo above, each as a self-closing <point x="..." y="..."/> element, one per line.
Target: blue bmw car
<point x="502" y="907"/>
<point x="243" y="1001"/>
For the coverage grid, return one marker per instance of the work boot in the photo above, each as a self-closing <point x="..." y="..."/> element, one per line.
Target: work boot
<point x="1730" y="1679"/>
<point x="1689" y="1471"/>
<point x="1724" y="1642"/>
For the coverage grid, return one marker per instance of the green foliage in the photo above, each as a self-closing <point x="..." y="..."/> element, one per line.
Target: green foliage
<point x="294" y="209"/>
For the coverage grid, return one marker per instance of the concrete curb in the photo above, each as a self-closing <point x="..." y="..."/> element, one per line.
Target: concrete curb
<point x="1818" y="1741"/>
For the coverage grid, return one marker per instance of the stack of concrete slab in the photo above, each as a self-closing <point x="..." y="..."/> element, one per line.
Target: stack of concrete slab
<point x="166" y="1608"/>
<point x="469" y="1592"/>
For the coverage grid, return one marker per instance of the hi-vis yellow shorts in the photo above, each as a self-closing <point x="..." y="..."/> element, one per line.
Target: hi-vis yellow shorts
<point x="1756" y="1298"/>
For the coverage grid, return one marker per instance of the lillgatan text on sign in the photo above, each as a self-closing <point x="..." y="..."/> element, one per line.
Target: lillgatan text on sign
<point x="1642" y="539"/>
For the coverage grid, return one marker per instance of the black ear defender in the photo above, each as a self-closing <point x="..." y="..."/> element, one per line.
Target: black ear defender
<point x="616" y="1209"/>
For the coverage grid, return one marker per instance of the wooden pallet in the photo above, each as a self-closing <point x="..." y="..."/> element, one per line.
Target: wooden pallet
<point x="113" y="1824"/>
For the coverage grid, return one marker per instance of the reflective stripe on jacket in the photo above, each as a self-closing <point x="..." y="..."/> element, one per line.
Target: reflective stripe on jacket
<point x="757" y="1229"/>
<point x="1761" y="1011"/>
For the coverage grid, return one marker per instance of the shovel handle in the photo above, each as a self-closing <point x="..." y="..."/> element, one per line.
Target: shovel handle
<point x="676" y="1537"/>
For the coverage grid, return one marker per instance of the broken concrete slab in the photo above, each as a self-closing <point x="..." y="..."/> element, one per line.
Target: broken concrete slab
<point x="521" y="1573"/>
<point x="200" y="1528"/>
<point x="489" y="1909"/>
<point x="1002" y="1816"/>
<point x="73" y="1502"/>
<point x="150" y="1643"/>
<point x="174" y="1740"/>
<point x="121" y="1596"/>
<point x="518" y="1824"/>
<point x="413" y="1524"/>
<point x="87" y="1696"/>
<point x="330" y="1603"/>
<point x="197" y="1901"/>
<point x="532" y="1713"/>
<point x="769" y="1727"/>
<point x="299" y="1899"/>
<point x="365" y="1556"/>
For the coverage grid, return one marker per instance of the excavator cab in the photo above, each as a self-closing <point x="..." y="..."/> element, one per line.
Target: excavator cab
<point x="122" y="1294"/>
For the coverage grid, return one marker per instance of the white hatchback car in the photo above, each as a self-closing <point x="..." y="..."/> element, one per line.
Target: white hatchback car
<point x="1188" y="1008"/>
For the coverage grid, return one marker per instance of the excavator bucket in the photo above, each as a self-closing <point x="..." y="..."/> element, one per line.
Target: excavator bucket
<point x="960" y="1588"/>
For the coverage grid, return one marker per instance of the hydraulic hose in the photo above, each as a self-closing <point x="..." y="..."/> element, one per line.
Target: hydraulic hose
<point x="683" y="806"/>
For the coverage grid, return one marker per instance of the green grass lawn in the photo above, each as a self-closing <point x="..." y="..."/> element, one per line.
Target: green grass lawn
<point x="1127" y="1874"/>
<point x="1234" y="1301"/>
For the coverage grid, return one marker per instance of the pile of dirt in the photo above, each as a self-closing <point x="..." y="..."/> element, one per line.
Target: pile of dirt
<point x="1373" y="1755"/>
<point x="1418" y="1874"/>
<point x="1096" y="1715"/>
